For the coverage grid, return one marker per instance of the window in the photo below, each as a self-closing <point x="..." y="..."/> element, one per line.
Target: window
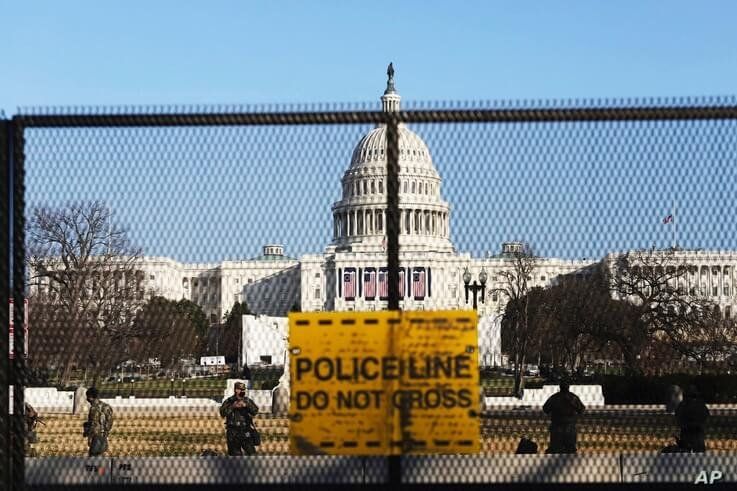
<point x="726" y="290"/>
<point x="715" y="290"/>
<point x="151" y="277"/>
<point x="494" y="296"/>
<point x="266" y="359"/>
<point x="413" y="187"/>
<point x="373" y="187"/>
<point x="213" y="318"/>
<point x="317" y="275"/>
<point x="427" y="189"/>
<point x="381" y="186"/>
<point x="317" y="294"/>
<point x="542" y="278"/>
<point x="404" y="186"/>
<point x="728" y="312"/>
<point x="365" y="187"/>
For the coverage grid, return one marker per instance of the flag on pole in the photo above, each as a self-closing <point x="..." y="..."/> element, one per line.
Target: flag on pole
<point x="349" y="285"/>
<point x="668" y="219"/>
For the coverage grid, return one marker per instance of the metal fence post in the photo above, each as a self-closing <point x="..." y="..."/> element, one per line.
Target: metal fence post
<point x="18" y="271"/>
<point x="5" y="194"/>
<point x="392" y="227"/>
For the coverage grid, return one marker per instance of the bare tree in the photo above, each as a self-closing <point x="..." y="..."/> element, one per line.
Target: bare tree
<point x="164" y="330"/>
<point x="584" y="321"/>
<point x="83" y="265"/>
<point x="517" y="331"/>
<point x="669" y="310"/>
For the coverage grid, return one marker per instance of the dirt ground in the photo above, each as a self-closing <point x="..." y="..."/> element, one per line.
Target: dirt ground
<point x="188" y="435"/>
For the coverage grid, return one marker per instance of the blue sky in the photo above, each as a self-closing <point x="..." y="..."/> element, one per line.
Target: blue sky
<point x="211" y="205"/>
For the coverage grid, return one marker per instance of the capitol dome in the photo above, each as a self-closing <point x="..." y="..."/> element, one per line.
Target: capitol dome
<point x="359" y="217"/>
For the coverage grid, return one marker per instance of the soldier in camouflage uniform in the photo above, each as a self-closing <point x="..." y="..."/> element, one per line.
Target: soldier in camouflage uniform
<point x="99" y="423"/>
<point x="238" y="411"/>
<point x="564" y="407"/>
<point x="31" y="419"/>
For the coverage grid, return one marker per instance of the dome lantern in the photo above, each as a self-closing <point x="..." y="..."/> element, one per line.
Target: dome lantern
<point x="390" y="99"/>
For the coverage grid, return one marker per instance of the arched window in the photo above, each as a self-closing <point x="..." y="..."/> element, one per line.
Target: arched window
<point x="379" y="221"/>
<point x="413" y="187"/>
<point x="418" y="221"/>
<point x="407" y="221"/>
<point x="427" y="189"/>
<point x="404" y="186"/>
<point x="355" y="189"/>
<point x="427" y="223"/>
<point x="373" y="187"/>
<point x="381" y="187"/>
<point x="365" y="187"/>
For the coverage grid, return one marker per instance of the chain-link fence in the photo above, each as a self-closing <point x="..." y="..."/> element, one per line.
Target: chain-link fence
<point x="160" y="252"/>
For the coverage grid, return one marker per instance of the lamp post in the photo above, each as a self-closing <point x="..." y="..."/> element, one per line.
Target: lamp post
<point x="476" y="286"/>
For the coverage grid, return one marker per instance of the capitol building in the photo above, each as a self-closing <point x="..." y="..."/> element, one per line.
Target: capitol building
<point x="351" y="274"/>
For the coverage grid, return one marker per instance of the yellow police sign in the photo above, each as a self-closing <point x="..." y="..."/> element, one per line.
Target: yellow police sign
<point x="381" y="383"/>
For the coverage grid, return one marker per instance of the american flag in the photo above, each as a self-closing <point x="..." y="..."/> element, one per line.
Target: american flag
<point x="349" y="284"/>
<point x="418" y="284"/>
<point x="369" y="284"/>
<point x="383" y="284"/>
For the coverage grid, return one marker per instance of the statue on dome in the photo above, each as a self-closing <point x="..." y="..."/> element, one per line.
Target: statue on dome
<point x="390" y="81"/>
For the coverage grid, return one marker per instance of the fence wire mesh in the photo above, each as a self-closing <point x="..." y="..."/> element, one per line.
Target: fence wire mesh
<point x="595" y="239"/>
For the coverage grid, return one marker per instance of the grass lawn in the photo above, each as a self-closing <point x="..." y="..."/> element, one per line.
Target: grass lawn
<point x="598" y="431"/>
<point x="196" y="387"/>
<point x="500" y="385"/>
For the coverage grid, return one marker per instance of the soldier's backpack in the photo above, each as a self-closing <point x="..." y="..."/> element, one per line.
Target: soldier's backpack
<point x="106" y="419"/>
<point x="526" y="446"/>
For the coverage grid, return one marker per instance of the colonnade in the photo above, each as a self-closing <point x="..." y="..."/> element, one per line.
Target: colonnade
<point x="372" y="221"/>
